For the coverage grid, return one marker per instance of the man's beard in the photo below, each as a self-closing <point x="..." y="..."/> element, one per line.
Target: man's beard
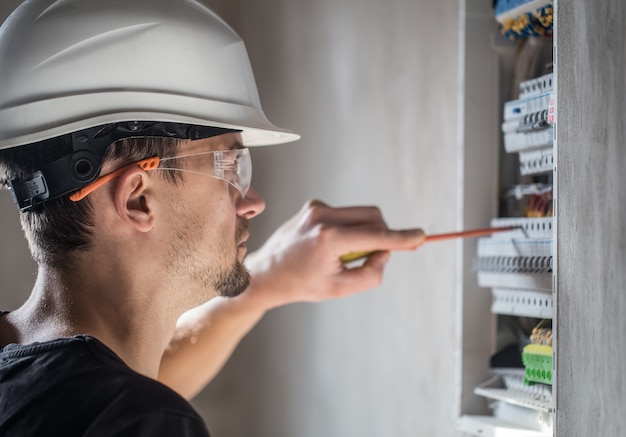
<point x="228" y="282"/>
<point x="233" y="282"/>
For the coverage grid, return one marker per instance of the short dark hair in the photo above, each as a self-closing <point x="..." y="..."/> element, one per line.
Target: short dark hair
<point x="57" y="229"/>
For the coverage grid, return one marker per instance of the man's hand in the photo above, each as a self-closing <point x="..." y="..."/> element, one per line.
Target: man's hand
<point x="301" y="260"/>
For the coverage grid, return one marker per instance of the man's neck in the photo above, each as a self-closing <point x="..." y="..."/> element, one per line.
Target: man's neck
<point x="126" y="319"/>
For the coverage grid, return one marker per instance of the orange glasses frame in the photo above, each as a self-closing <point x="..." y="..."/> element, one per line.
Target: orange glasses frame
<point x="145" y="164"/>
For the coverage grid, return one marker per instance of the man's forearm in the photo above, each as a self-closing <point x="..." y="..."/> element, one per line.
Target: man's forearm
<point x="205" y="338"/>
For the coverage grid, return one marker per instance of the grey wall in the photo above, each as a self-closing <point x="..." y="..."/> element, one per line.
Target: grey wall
<point x="17" y="270"/>
<point x="372" y="87"/>
<point x="590" y="206"/>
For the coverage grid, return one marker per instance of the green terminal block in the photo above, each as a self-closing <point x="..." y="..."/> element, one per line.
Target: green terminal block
<point x="537" y="359"/>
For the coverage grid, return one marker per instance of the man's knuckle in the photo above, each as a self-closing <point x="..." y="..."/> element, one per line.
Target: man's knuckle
<point x="313" y="212"/>
<point x="325" y="233"/>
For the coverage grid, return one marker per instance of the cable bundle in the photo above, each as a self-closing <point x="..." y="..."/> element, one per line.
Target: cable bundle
<point x="525" y="18"/>
<point x="539" y="205"/>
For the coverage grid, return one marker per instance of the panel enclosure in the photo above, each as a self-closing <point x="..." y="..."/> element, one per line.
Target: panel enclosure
<point x="512" y="134"/>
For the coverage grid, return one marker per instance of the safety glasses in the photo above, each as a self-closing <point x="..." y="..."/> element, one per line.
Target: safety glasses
<point x="233" y="166"/>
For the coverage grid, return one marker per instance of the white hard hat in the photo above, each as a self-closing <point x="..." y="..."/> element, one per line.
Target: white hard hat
<point x="69" y="65"/>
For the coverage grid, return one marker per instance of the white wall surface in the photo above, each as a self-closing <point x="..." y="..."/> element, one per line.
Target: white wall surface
<point x="372" y="87"/>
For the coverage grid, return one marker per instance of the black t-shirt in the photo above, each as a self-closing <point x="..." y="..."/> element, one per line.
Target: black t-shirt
<point x="78" y="387"/>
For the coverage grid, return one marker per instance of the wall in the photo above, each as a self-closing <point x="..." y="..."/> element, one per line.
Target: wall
<point x="372" y="87"/>
<point x="17" y="270"/>
<point x="591" y="251"/>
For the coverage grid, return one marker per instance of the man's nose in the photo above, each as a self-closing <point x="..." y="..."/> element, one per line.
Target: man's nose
<point x="251" y="205"/>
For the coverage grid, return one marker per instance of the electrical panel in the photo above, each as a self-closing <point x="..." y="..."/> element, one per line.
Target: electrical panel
<point x="517" y="266"/>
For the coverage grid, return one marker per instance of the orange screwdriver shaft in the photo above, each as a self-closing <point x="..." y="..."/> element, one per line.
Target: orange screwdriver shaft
<point x="353" y="256"/>
<point x="469" y="233"/>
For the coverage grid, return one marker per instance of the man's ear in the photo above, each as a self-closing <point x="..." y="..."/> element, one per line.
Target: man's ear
<point x="134" y="199"/>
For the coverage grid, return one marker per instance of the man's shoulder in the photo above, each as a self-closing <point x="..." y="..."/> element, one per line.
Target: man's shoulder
<point x="79" y="383"/>
<point x="145" y="407"/>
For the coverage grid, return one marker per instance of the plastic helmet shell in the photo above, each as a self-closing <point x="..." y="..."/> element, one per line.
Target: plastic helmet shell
<point x="66" y="65"/>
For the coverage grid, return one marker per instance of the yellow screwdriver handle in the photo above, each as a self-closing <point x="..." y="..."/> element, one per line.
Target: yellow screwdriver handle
<point x="353" y="256"/>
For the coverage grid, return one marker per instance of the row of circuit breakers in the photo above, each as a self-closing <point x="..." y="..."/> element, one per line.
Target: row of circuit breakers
<point x="517" y="267"/>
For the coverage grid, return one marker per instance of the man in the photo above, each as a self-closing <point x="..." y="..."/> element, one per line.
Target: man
<point x="123" y="134"/>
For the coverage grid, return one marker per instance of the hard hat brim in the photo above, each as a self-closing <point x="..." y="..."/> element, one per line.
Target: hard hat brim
<point x="78" y="113"/>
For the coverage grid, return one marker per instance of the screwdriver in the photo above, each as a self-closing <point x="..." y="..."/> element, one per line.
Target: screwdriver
<point x="353" y="256"/>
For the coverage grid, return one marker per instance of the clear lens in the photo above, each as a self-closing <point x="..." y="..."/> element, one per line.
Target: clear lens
<point x="232" y="166"/>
